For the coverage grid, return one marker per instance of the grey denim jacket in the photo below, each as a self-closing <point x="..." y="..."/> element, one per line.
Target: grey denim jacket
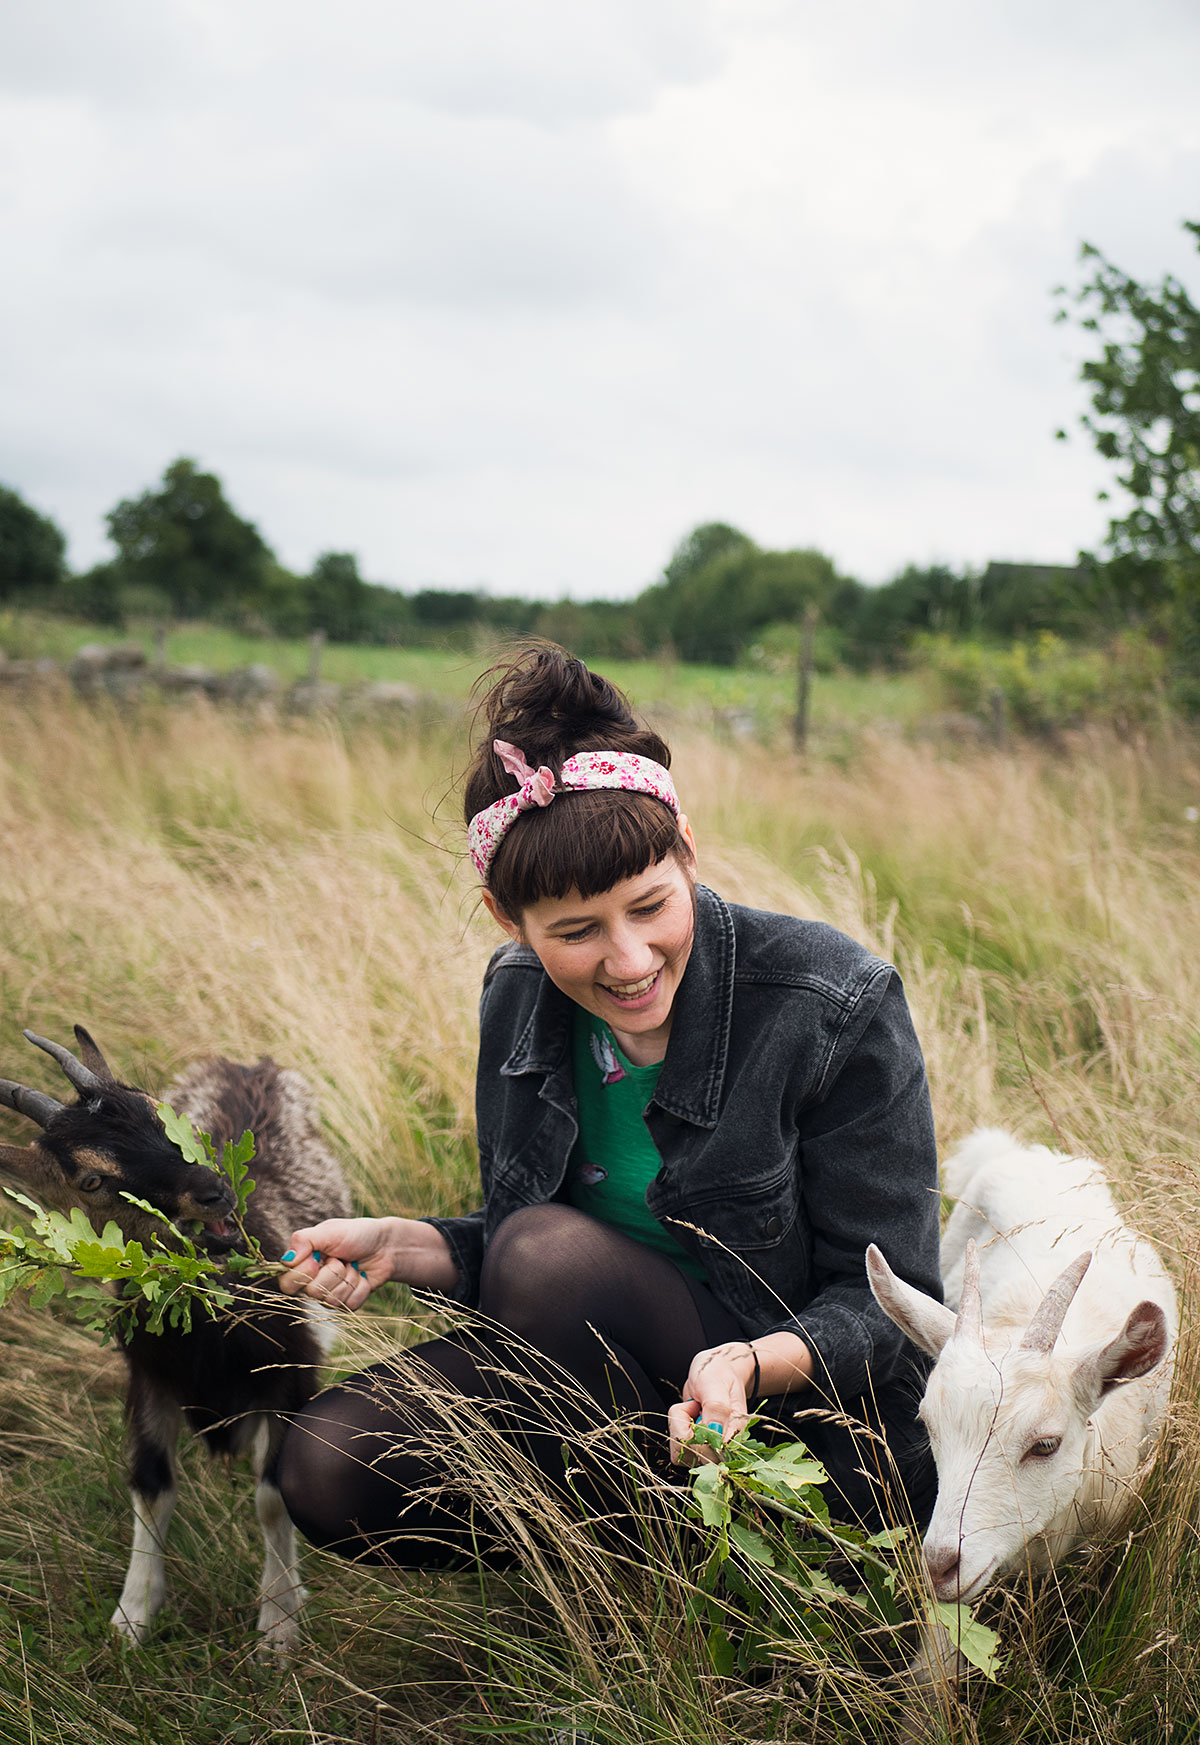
<point x="792" y="1118"/>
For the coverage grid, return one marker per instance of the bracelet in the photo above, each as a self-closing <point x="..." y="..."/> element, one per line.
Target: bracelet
<point x="752" y="1392"/>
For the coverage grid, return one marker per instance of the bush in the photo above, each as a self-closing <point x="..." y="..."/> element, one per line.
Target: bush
<point x="1049" y="684"/>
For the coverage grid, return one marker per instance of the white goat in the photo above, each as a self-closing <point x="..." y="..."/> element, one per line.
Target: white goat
<point x="1040" y="1440"/>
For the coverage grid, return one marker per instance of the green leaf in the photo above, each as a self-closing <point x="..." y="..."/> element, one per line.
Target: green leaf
<point x="15" y="1278"/>
<point x="720" y="1652"/>
<point x="703" y="1437"/>
<point x="793" y="1462"/>
<point x="95" y="1260"/>
<point x="145" y="1206"/>
<point x="888" y="1539"/>
<point x="975" y="1642"/>
<point x="712" y="1494"/>
<point x="184" y="1138"/>
<point x="51" y="1283"/>
<point x="752" y="1544"/>
<point x="88" y="1290"/>
<point x="23" y="1200"/>
<point x="240" y="1153"/>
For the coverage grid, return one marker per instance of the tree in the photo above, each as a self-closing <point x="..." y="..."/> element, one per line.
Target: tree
<point x="1145" y="417"/>
<point x="185" y="542"/>
<point x="657" y="608"/>
<point x="878" y="624"/>
<point x="337" y="596"/>
<point x="719" y="589"/>
<point x="32" y="549"/>
<point x="697" y="549"/>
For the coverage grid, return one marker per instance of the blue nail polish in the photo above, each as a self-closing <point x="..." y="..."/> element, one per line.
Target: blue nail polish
<point x="316" y="1254"/>
<point x="290" y="1255"/>
<point x="713" y="1426"/>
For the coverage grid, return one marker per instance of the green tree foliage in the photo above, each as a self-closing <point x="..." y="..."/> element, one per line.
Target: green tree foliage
<point x="185" y="543"/>
<point x="719" y="589"/>
<point x="1145" y="417"/>
<point x="701" y="547"/>
<point x="32" y="549"/>
<point x="878" y="624"/>
<point x="97" y="595"/>
<point x="337" y="597"/>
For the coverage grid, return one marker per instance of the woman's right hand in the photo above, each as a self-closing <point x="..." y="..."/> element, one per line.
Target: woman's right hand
<point x="339" y="1261"/>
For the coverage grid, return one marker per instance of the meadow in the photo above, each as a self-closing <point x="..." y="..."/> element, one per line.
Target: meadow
<point x="757" y="698"/>
<point x="184" y="880"/>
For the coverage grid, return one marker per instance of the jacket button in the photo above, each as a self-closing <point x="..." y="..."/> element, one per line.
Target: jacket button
<point x="774" y="1226"/>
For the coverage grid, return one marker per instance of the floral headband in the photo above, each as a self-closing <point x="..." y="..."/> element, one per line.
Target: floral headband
<point x="586" y="770"/>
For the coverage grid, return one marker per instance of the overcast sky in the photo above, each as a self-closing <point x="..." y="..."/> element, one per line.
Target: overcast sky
<point x="513" y="294"/>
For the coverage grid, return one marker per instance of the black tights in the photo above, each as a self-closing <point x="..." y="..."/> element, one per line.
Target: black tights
<point x="375" y="1468"/>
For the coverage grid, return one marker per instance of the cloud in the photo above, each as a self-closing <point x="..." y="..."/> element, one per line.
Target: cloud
<point x="516" y="294"/>
<point x="535" y="60"/>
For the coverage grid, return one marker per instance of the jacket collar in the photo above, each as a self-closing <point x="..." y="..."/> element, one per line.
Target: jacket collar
<point x="693" y="1073"/>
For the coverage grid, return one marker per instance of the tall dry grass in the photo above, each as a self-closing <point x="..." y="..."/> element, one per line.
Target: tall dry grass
<point x="182" y="881"/>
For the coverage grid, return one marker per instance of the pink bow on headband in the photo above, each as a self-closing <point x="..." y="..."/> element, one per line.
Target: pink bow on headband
<point x="538" y="782"/>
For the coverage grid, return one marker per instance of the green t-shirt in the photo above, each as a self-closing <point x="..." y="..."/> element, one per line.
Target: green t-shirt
<point x="614" y="1159"/>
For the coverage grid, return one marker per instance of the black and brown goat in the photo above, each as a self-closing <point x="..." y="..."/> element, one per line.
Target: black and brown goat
<point x="235" y="1379"/>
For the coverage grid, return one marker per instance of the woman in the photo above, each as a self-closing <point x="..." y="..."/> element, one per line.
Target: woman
<point x="692" y="1118"/>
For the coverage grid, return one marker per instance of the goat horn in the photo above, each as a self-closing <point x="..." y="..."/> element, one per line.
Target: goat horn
<point x="1046" y="1325"/>
<point x="969" y="1324"/>
<point x="82" y="1077"/>
<point x="36" y="1104"/>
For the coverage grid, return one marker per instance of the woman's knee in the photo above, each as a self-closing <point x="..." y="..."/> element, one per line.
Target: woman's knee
<point x="301" y="1470"/>
<point x="530" y="1247"/>
<point x="545" y="1262"/>
<point x="320" y="1468"/>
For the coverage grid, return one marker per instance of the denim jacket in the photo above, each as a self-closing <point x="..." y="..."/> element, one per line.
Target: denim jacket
<point x="792" y="1118"/>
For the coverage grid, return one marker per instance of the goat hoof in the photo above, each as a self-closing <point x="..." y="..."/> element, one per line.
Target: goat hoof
<point x="280" y="1642"/>
<point x="131" y="1630"/>
<point x="279" y="1624"/>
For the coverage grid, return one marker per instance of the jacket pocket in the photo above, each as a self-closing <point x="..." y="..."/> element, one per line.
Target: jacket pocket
<point x="749" y="1217"/>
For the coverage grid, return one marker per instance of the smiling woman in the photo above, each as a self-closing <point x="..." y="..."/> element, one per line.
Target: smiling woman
<point x="619" y="955"/>
<point x="692" y="1120"/>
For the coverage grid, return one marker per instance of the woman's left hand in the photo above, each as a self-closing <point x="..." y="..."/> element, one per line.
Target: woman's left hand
<point x="714" y="1395"/>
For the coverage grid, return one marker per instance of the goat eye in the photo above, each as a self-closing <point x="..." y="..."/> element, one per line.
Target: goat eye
<point x="90" y="1183"/>
<point x="1044" y="1448"/>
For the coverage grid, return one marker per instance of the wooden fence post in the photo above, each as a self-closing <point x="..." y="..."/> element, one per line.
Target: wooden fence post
<point x="808" y="632"/>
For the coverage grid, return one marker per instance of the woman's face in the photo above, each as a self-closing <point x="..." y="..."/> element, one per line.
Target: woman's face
<point x="621" y="954"/>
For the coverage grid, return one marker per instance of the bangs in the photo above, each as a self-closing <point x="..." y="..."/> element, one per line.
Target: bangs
<point x="586" y="842"/>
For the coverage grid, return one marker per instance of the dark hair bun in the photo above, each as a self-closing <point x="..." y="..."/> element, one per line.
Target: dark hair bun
<point x="550" y="706"/>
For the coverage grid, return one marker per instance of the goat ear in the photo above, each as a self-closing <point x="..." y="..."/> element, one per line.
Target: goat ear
<point x="1138" y="1348"/>
<point x="927" y="1323"/>
<point x="91" y="1056"/>
<point x="29" y="1163"/>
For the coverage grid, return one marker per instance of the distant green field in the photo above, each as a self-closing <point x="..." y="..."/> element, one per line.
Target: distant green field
<point x="750" y="699"/>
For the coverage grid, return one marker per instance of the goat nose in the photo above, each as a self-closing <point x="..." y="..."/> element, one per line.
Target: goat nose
<point x="216" y="1195"/>
<point x="942" y="1563"/>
